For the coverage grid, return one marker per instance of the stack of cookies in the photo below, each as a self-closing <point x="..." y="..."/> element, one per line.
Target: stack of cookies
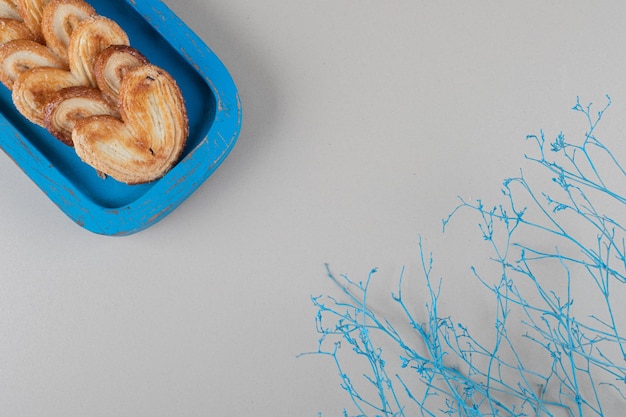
<point x="74" y="72"/>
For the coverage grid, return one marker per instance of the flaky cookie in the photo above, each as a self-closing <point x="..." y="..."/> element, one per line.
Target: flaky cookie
<point x="88" y="39"/>
<point x="69" y="105"/>
<point x="112" y="64"/>
<point x="33" y="89"/>
<point x="31" y="11"/>
<point x="12" y="29"/>
<point x="149" y="139"/>
<point x="59" y="19"/>
<point x="18" y="56"/>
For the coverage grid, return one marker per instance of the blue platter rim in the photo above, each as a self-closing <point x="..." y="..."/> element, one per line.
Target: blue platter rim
<point x="167" y="193"/>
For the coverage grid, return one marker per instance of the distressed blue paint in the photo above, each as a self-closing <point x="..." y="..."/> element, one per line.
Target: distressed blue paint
<point x="107" y="206"/>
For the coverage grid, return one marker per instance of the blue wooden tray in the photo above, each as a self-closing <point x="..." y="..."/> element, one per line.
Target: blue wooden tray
<point x="109" y="207"/>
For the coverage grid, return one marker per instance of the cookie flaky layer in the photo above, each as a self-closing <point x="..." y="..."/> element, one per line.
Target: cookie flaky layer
<point x="11" y="29"/>
<point x="112" y="65"/>
<point x="20" y="55"/>
<point x="69" y="105"/>
<point x="60" y="18"/>
<point x="8" y="10"/>
<point x="90" y="37"/>
<point x="33" y="89"/>
<point x="31" y="11"/>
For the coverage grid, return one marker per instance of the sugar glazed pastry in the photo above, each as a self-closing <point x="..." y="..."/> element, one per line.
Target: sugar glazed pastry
<point x="31" y="12"/>
<point x="111" y="66"/>
<point x="34" y="88"/>
<point x="150" y="136"/>
<point x="20" y="55"/>
<point x="12" y="26"/>
<point x="69" y="105"/>
<point x="59" y="20"/>
<point x="74" y="73"/>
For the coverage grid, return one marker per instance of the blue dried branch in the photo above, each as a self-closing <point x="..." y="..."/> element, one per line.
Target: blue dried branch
<point x="450" y="371"/>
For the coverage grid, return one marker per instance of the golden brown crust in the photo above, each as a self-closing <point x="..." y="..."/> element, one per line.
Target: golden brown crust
<point x="69" y="105"/>
<point x="31" y="12"/>
<point x="89" y="38"/>
<point x="33" y="89"/>
<point x="11" y="29"/>
<point x="59" y="19"/>
<point x="73" y="72"/>
<point x="18" y="56"/>
<point x="111" y="66"/>
<point x="151" y="137"/>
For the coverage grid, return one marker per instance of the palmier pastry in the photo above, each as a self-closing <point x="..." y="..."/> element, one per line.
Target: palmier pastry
<point x="12" y="29"/>
<point x="33" y="89"/>
<point x="71" y="104"/>
<point x="8" y="10"/>
<point x="31" y="12"/>
<point x="60" y="17"/>
<point x="20" y="55"/>
<point x="111" y="66"/>
<point x="148" y="140"/>
<point x="89" y="38"/>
